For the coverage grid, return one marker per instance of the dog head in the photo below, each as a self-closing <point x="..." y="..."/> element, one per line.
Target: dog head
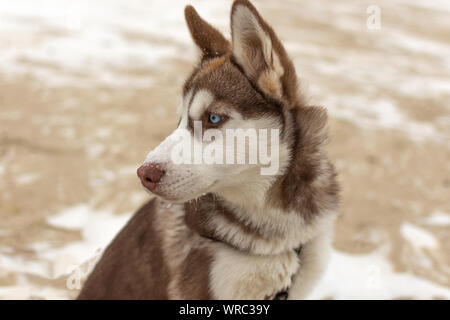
<point x="236" y="105"/>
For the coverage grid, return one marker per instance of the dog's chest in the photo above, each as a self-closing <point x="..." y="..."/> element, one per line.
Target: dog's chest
<point x="238" y="275"/>
<point x="230" y="273"/>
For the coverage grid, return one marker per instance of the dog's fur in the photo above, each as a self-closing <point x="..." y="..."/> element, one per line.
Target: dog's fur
<point x="231" y="232"/>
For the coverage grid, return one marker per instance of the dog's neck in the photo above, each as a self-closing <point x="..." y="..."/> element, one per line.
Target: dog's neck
<point x="250" y="228"/>
<point x="253" y="227"/>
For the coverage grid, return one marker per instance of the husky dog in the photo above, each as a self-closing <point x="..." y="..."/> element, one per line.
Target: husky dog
<point x="228" y="231"/>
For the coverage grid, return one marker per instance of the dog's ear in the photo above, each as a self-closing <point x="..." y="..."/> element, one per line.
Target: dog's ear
<point x="210" y="41"/>
<point x="259" y="52"/>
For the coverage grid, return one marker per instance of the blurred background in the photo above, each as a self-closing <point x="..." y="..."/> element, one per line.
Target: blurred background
<point x="87" y="88"/>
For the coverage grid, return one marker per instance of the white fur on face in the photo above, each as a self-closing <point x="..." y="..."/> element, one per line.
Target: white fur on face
<point x="183" y="108"/>
<point x="185" y="180"/>
<point x="177" y="179"/>
<point x="201" y="101"/>
<point x="182" y="182"/>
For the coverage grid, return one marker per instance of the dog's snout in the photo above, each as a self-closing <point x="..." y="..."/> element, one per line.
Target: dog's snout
<point x="150" y="175"/>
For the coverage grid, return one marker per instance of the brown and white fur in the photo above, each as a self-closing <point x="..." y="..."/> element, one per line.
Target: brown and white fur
<point x="231" y="232"/>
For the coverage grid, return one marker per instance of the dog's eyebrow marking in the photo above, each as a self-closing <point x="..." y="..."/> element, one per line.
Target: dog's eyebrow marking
<point x="187" y="100"/>
<point x="202" y="99"/>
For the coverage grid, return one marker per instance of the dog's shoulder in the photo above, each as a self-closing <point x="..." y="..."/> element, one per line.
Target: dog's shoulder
<point x="132" y="265"/>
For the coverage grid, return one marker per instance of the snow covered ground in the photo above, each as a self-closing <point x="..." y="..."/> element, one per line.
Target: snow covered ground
<point x="76" y="73"/>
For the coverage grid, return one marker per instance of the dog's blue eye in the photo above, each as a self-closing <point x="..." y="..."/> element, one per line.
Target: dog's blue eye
<point x="214" y="118"/>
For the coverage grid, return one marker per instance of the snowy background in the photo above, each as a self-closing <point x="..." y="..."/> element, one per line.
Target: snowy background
<point x="88" y="87"/>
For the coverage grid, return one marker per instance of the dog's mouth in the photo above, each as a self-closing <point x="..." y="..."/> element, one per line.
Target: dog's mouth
<point x="164" y="191"/>
<point x="168" y="197"/>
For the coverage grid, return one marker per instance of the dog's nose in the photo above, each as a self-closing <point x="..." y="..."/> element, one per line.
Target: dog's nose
<point x="150" y="175"/>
